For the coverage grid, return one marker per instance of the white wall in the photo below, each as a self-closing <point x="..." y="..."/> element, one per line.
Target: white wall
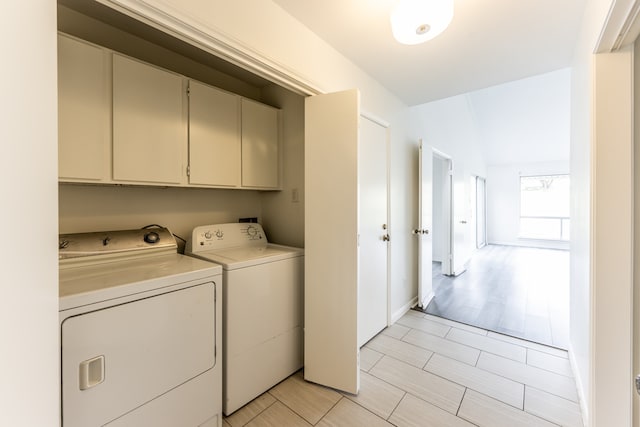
<point x="284" y="217"/>
<point x="29" y="362"/>
<point x="449" y="126"/>
<point x="525" y="121"/>
<point x="503" y="202"/>
<point x="612" y="237"/>
<point x="583" y="318"/>
<point x="85" y="208"/>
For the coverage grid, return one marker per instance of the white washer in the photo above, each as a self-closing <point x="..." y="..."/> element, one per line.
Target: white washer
<point x="140" y="326"/>
<point x="262" y="307"/>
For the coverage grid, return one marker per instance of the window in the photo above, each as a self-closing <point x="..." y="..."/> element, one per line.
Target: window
<point x="544" y="207"/>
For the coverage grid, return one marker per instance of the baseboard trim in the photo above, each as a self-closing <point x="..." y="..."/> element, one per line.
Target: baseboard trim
<point x="403" y="310"/>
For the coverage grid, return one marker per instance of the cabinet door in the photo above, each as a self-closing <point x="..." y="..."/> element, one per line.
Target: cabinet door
<point x="260" y="145"/>
<point x="84" y="116"/>
<point x="149" y="124"/>
<point x="214" y="136"/>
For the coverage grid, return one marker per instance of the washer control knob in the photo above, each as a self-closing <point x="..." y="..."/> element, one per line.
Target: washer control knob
<point x="152" y="237"/>
<point x="252" y="231"/>
<point x="208" y="235"/>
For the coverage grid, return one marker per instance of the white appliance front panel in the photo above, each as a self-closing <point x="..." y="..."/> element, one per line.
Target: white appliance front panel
<point x="261" y="302"/>
<point x="150" y="346"/>
<point x="262" y="330"/>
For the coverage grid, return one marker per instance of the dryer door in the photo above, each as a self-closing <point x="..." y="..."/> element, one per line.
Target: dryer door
<point x="118" y="358"/>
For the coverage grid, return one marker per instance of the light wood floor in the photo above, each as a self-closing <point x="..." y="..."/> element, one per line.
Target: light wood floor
<point x="518" y="291"/>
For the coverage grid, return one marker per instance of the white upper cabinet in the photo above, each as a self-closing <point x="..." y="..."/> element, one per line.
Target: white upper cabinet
<point x="214" y="136"/>
<point x="149" y="123"/>
<point x="260" y="145"/>
<point x="84" y="111"/>
<point x="125" y="121"/>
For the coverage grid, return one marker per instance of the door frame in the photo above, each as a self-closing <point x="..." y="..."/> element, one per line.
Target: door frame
<point x="480" y="245"/>
<point x="447" y="193"/>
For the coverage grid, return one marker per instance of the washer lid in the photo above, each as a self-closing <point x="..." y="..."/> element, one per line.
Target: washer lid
<point x="241" y="257"/>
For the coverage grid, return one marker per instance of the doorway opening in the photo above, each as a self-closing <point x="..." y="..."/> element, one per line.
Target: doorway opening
<point x="516" y="290"/>
<point x="442" y="214"/>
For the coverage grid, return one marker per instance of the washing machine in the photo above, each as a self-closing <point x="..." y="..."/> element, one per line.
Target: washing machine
<point x="262" y="307"/>
<point x="140" y="332"/>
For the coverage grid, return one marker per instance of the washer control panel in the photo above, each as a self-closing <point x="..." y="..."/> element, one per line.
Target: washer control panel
<point x="220" y="236"/>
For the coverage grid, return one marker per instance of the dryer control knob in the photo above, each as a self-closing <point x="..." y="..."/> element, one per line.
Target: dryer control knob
<point x="208" y="235"/>
<point x="152" y="237"/>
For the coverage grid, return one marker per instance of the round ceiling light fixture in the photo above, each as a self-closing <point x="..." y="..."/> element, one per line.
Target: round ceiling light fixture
<point x="416" y="21"/>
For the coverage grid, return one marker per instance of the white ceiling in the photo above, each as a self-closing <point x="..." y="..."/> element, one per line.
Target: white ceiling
<point x="489" y="42"/>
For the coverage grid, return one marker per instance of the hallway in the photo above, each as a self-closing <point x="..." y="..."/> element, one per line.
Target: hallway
<point x="517" y="291"/>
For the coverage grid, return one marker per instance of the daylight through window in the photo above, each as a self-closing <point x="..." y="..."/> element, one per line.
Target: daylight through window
<point x="544" y="207"/>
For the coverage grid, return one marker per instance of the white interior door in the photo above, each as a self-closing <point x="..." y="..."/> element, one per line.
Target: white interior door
<point x="423" y="232"/>
<point x="373" y="230"/>
<point x="331" y="351"/>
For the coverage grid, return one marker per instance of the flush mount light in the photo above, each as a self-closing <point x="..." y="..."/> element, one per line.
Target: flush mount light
<point x="416" y="21"/>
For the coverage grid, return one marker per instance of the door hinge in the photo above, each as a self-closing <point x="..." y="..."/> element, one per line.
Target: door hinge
<point x="188" y="170"/>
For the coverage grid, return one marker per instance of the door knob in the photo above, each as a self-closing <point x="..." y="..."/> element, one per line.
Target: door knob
<point x="416" y="231"/>
<point x="425" y="231"/>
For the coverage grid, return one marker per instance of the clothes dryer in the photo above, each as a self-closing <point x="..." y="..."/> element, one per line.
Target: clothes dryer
<point x="140" y="332"/>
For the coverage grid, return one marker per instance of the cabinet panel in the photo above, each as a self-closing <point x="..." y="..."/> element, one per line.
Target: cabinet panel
<point x="260" y="145"/>
<point x="84" y="115"/>
<point x="214" y="136"/>
<point x="149" y="127"/>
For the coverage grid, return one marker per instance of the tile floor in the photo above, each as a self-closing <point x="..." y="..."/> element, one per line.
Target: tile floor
<point x="431" y="372"/>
